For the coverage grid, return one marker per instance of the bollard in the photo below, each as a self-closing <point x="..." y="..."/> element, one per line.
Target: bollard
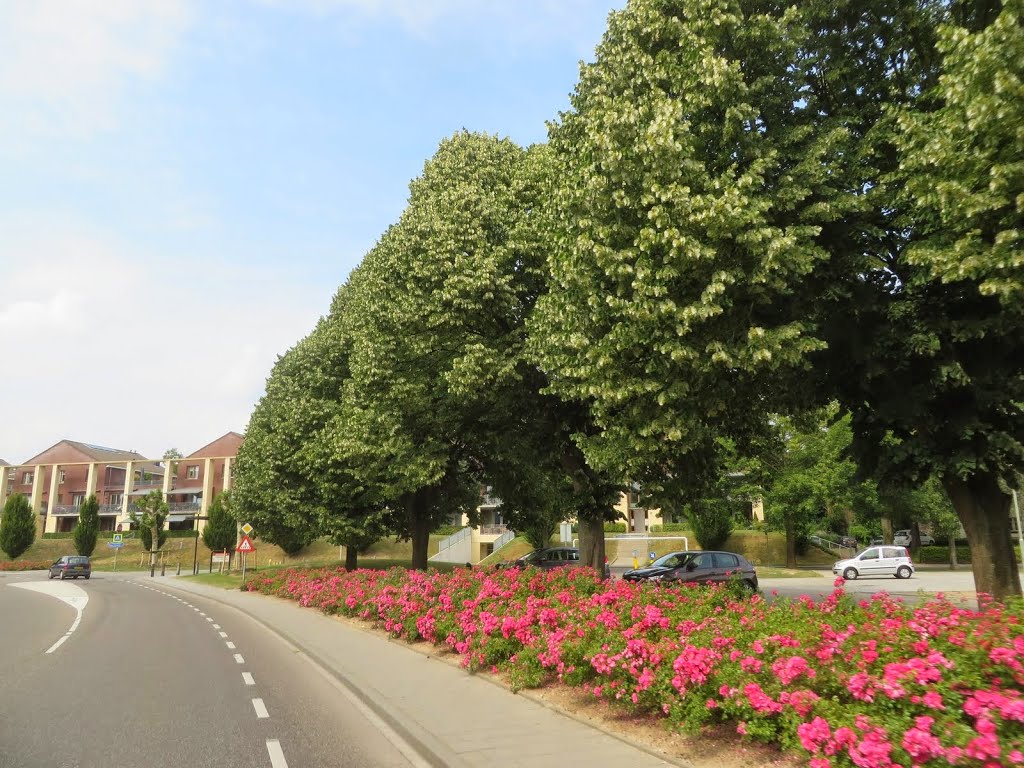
<point x="152" y="570"/>
<point x="179" y="569"/>
<point x="163" y="568"/>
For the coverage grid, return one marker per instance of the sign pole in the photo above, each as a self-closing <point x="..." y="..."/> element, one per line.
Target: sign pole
<point x="243" y="567"/>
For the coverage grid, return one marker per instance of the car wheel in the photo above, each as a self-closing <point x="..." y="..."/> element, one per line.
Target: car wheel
<point x="62" y="575"/>
<point x="87" y="576"/>
<point x="748" y="585"/>
<point x="850" y="574"/>
<point x="50" y="575"/>
<point x="903" y="572"/>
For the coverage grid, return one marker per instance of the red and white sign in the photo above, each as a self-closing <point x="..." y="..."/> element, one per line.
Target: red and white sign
<point x="245" y="545"/>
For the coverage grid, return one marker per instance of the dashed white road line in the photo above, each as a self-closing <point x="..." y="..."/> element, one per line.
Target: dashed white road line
<point x="276" y="754"/>
<point x="223" y="634"/>
<point x="261" y="709"/>
<point x="216" y="626"/>
<point x="248" y="678"/>
<point x="230" y="645"/>
<point x="239" y="659"/>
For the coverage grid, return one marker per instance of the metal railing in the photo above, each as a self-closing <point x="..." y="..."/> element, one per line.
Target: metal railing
<point x="451" y="541"/>
<point x="493" y="530"/>
<point x="502" y="540"/>
<point x="826" y="543"/>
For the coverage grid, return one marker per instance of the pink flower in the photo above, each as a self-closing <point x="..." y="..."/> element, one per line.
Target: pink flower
<point x="813" y="734"/>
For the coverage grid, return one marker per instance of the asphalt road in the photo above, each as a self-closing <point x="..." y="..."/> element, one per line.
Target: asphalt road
<point x="144" y="676"/>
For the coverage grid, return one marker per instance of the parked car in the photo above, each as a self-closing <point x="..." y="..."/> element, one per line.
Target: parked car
<point x="902" y="539"/>
<point x="877" y="561"/>
<point x="696" y="568"/>
<point x="71" y="567"/>
<point x="553" y="557"/>
<point x="848" y="541"/>
<point x="877" y="541"/>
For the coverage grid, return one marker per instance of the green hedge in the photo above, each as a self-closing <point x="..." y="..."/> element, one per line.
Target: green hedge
<point x="671" y="528"/>
<point x="447" y="530"/>
<point x="614" y="527"/>
<point x="106" y="535"/>
<point x="940" y="555"/>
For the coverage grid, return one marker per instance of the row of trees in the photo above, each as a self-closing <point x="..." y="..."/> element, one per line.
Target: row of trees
<point x="18" y="525"/>
<point x="751" y="210"/>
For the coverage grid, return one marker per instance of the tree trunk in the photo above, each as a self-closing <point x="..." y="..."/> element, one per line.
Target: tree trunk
<point x="790" y="540"/>
<point x="419" y="528"/>
<point x="591" y="526"/>
<point x="351" y="558"/>
<point x="887" y="530"/>
<point x="984" y="512"/>
<point x="952" y="552"/>
<point x="153" y="546"/>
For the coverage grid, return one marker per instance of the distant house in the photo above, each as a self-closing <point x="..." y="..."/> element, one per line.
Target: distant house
<point x="60" y="478"/>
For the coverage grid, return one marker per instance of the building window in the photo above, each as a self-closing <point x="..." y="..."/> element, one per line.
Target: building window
<point x="12" y="474"/>
<point x="116" y="499"/>
<point x="27" y="478"/>
<point x="193" y="472"/>
<point x="62" y="476"/>
<point x="77" y="499"/>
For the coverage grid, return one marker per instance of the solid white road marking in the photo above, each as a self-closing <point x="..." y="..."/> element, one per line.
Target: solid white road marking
<point x="261" y="709"/>
<point x="276" y="754"/>
<point x="230" y="645"/>
<point x="248" y="678"/>
<point x="73" y="595"/>
<point x="239" y="659"/>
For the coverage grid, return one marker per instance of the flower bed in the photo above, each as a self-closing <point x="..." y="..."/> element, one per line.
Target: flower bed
<point x="24" y="565"/>
<point x="867" y="684"/>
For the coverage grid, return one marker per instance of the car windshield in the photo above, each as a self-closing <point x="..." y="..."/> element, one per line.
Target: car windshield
<point x="673" y="560"/>
<point x="531" y="557"/>
<point x="78" y="560"/>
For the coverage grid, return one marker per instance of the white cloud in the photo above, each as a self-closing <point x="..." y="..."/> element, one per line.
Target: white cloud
<point x="128" y="348"/>
<point x="65" y="61"/>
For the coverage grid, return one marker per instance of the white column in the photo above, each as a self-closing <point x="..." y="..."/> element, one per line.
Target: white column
<point x="4" y="472"/>
<point x="129" y="480"/>
<point x="168" y="475"/>
<point x="90" y="481"/>
<point x="228" y="469"/>
<point x="54" y="480"/>
<point x="207" y="486"/>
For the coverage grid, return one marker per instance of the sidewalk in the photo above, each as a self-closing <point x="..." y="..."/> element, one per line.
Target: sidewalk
<point x="450" y="717"/>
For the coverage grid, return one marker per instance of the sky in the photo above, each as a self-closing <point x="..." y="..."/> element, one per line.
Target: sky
<point x="184" y="184"/>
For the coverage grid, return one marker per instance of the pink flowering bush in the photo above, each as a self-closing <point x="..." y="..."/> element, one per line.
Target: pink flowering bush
<point x="870" y="684"/>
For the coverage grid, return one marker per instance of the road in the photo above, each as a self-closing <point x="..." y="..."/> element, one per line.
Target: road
<point x="958" y="585"/>
<point x="122" y="671"/>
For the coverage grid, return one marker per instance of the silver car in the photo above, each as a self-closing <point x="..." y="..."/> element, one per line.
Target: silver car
<point x="877" y="561"/>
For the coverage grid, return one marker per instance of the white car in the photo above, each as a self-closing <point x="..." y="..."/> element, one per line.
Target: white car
<point x="876" y="561"/>
<point x="902" y="539"/>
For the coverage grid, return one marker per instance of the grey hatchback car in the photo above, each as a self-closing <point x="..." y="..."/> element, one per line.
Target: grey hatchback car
<point x="71" y="567"/>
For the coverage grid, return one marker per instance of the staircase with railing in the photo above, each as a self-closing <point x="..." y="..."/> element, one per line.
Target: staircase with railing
<point x="456" y="543"/>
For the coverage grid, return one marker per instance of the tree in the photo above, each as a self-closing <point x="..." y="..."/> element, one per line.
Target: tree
<point x="88" y="527"/>
<point x="711" y="521"/>
<point x="17" y="527"/>
<point x="443" y="395"/>
<point x="743" y="230"/>
<point x="153" y="511"/>
<point x="171" y="466"/>
<point x="221" y="531"/>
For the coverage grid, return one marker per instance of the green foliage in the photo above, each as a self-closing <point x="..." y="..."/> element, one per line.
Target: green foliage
<point x="940" y="555"/>
<point x="614" y="527"/>
<point x="88" y="527"/>
<point x="150" y="520"/>
<point x="17" y="526"/>
<point x="221" y="530"/>
<point x="711" y="521"/>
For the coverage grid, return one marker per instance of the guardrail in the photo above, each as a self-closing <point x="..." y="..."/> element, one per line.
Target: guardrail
<point x="502" y="540"/>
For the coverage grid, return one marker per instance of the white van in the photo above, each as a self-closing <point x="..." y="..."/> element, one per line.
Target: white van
<point x="876" y="561"/>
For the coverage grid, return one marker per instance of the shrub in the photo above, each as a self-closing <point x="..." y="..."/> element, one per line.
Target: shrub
<point x="221" y="530"/>
<point x="670" y="528"/>
<point x="711" y="522"/>
<point x="940" y="555"/>
<point x="17" y="527"/>
<point x="88" y="526"/>
<point x="614" y="527"/>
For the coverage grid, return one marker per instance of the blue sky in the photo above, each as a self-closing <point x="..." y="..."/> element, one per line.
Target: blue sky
<point x="187" y="182"/>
